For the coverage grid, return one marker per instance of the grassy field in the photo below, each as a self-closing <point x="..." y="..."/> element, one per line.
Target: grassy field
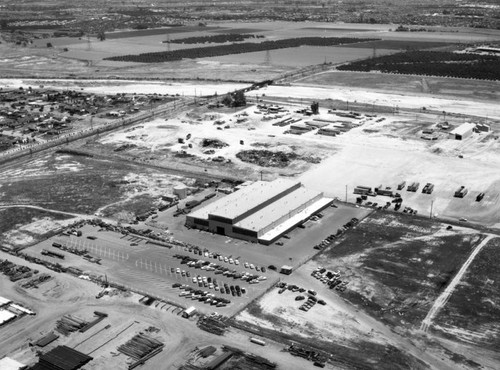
<point x="471" y="314"/>
<point x="396" y="267"/>
<point x="70" y="183"/>
<point x="25" y="225"/>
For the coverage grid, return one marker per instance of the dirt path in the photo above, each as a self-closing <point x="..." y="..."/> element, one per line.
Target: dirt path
<point x="443" y="298"/>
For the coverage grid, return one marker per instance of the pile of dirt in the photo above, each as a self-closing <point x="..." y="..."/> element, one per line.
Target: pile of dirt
<point x="213" y="143"/>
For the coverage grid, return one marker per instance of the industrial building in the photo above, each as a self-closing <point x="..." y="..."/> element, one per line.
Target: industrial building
<point x="463" y="131"/>
<point x="62" y="358"/>
<point x="261" y="212"/>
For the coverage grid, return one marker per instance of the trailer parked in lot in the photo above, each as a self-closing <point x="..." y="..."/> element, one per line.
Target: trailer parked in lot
<point x="428" y="188"/>
<point x="413" y="187"/>
<point x="461" y="192"/>
<point x="188" y="312"/>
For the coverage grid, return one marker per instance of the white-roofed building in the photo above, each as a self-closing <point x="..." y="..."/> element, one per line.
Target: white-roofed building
<point x="4" y="301"/>
<point x="8" y="363"/>
<point x="6" y="316"/>
<point x="261" y="208"/>
<point x="463" y="131"/>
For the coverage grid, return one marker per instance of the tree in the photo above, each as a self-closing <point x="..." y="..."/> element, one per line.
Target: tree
<point x="227" y="100"/>
<point x="315" y="107"/>
<point x="101" y="36"/>
<point x="239" y="99"/>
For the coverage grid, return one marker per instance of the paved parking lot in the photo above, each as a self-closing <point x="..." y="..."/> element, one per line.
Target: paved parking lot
<point x="134" y="262"/>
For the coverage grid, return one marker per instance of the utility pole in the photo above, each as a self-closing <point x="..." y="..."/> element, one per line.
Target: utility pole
<point x="432" y="204"/>
<point x="346" y="193"/>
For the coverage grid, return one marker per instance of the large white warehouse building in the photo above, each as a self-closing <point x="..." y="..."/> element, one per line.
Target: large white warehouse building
<point x="261" y="212"/>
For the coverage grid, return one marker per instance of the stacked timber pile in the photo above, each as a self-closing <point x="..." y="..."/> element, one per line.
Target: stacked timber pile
<point x="306" y="353"/>
<point x="69" y="324"/>
<point x="212" y="324"/>
<point x="36" y="281"/>
<point x="141" y="348"/>
<point x="13" y="271"/>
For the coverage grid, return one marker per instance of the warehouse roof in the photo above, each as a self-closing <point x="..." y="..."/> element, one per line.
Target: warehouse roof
<point x="7" y="363"/>
<point x="6" y="316"/>
<point x="289" y="223"/>
<point x="463" y="129"/>
<point x="273" y="212"/>
<point x="245" y="199"/>
<point x="4" y="301"/>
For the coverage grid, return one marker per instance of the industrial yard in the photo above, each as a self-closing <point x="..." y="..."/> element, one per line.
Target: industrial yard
<point x="254" y="189"/>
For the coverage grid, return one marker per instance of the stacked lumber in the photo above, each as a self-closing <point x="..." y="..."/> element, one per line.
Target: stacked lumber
<point x="69" y="324"/>
<point x="140" y="346"/>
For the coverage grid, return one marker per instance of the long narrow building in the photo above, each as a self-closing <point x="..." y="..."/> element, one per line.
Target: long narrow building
<point x="260" y="212"/>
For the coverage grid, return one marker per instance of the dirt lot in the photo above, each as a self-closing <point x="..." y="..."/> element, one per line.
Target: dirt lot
<point x="397" y="266"/>
<point x="435" y="86"/>
<point x="471" y="313"/>
<point x="23" y="226"/>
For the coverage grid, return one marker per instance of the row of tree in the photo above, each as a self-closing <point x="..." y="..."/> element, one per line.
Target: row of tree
<point x="219" y="50"/>
<point x="432" y="63"/>
<point x="216" y="39"/>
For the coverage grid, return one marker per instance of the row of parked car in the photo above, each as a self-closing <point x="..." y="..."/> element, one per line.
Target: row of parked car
<point x="206" y="253"/>
<point x="311" y="295"/>
<point x="328" y="240"/>
<point x="332" y="279"/>
<point x="218" y="269"/>
<point x="202" y="296"/>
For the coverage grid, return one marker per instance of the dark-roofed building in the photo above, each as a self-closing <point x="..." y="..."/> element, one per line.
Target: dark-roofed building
<point x="62" y="358"/>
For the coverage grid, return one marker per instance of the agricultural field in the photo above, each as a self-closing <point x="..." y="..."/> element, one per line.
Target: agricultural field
<point x="221" y="50"/>
<point x="432" y="63"/>
<point x="471" y="314"/>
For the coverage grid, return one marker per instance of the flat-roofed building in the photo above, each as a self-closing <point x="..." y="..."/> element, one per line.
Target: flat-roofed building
<point x="260" y="212"/>
<point x="463" y="131"/>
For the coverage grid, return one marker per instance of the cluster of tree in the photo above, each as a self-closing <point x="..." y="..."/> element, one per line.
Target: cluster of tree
<point x="432" y="63"/>
<point x="236" y="99"/>
<point x="214" y="51"/>
<point x="216" y="39"/>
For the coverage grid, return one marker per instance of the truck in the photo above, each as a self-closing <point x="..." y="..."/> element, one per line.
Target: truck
<point x="258" y="341"/>
<point x="428" y="188"/>
<point x="461" y="192"/>
<point x="188" y="312"/>
<point x="285" y="269"/>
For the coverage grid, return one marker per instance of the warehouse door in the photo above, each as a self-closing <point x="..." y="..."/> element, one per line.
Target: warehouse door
<point x="220" y="230"/>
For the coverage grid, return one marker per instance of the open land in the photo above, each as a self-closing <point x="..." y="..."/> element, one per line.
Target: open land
<point x="98" y="227"/>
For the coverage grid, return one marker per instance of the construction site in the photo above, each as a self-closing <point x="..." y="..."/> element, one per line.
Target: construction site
<point x="239" y="199"/>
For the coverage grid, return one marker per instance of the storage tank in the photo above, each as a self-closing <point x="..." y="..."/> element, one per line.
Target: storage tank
<point x="181" y="191"/>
